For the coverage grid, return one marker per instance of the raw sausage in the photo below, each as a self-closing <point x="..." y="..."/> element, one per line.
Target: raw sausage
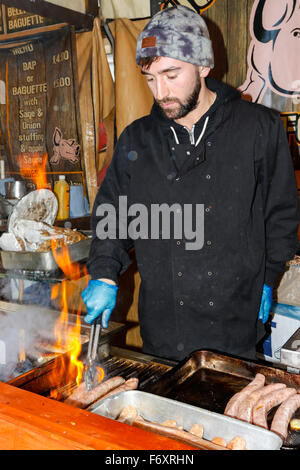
<point x="81" y="397"/>
<point x="219" y="440"/>
<point x="245" y="409"/>
<point x="176" y="434"/>
<point x="171" y="423"/>
<point x="234" y="402"/>
<point x="129" y="413"/>
<point x="237" y="443"/>
<point x="266" y="403"/>
<point x="197" y="430"/>
<point x="283" y="415"/>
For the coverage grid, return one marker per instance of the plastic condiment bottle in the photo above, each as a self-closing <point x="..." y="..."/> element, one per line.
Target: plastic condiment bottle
<point x="62" y="192"/>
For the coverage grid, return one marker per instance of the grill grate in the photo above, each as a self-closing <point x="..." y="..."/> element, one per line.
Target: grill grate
<point x="128" y="368"/>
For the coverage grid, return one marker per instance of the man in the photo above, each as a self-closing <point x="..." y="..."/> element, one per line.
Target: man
<point x="222" y="165"/>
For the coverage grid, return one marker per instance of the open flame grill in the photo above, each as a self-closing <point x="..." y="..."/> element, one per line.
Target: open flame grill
<point x="46" y="368"/>
<point x="127" y="368"/>
<point x="40" y="379"/>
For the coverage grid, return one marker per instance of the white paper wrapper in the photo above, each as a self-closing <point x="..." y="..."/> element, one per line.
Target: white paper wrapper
<point x="30" y="226"/>
<point x="8" y="242"/>
<point x="40" y="205"/>
<point x="33" y="233"/>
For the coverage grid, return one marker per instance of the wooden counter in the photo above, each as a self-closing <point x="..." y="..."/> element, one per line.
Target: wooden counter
<point x="31" y="422"/>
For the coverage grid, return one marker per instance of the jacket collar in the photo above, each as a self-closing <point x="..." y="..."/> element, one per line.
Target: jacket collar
<point x="216" y="113"/>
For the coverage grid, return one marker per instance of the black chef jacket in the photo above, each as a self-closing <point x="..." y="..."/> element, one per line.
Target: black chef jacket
<point x="241" y="173"/>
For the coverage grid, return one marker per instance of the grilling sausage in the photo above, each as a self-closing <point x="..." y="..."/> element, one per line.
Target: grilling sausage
<point x="245" y="409"/>
<point x="81" y="397"/>
<point x="266" y="403"/>
<point x="130" y="384"/>
<point x="283" y="415"/>
<point x="235" y="401"/>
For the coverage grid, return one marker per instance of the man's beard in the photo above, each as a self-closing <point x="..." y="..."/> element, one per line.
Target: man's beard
<point x="184" y="108"/>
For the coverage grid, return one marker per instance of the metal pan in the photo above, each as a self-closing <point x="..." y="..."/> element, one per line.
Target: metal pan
<point x="208" y="379"/>
<point x="43" y="261"/>
<point x="158" y="409"/>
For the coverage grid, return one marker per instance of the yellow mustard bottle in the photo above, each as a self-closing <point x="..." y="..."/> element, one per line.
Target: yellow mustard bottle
<point x="62" y="192"/>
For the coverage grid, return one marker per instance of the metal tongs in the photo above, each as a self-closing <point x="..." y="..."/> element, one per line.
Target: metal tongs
<point x="90" y="367"/>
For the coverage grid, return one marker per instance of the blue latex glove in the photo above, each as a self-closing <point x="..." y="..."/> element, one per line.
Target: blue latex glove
<point x="266" y="303"/>
<point x="100" y="299"/>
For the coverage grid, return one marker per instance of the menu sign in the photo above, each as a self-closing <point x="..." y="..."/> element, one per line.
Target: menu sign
<point x="38" y="109"/>
<point x="20" y="20"/>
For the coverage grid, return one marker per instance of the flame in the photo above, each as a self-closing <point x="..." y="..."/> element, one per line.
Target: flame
<point x="33" y="167"/>
<point x="100" y="373"/>
<point x="63" y="260"/>
<point x="67" y="336"/>
<point x="22" y="353"/>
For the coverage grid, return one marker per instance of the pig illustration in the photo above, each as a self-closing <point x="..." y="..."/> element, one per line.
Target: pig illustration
<point x="62" y="148"/>
<point x="274" y="52"/>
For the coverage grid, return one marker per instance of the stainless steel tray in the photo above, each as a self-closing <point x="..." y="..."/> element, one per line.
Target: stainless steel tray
<point x="154" y="408"/>
<point x="208" y="380"/>
<point x="44" y="261"/>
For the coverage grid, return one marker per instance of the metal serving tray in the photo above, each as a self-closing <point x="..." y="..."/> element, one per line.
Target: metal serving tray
<point x="208" y="379"/>
<point x="154" y="408"/>
<point x="43" y="261"/>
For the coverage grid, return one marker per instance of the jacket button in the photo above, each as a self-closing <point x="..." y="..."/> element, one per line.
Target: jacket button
<point x="178" y="242"/>
<point x="209" y="273"/>
<point x="208" y="177"/>
<point x="181" y="302"/>
<point x="207" y="209"/>
<point x="208" y="242"/>
<point x="209" y="144"/>
<point x="179" y="274"/>
<point x="210" y="303"/>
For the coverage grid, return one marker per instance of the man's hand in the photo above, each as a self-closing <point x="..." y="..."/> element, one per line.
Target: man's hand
<point x="100" y="299"/>
<point x="266" y="303"/>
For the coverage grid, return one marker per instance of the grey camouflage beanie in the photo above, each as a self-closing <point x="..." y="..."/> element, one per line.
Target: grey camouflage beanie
<point x="179" y="33"/>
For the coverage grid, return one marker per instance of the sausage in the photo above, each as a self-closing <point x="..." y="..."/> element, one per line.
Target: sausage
<point x="266" y="403"/>
<point x="171" y="423"/>
<point x="237" y="443"/>
<point x="129" y="413"/>
<point x="234" y="402"/>
<point x="81" y="397"/>
<point x="130" y="384"/>
<point x="176" y="434"/>
<point x="219" y="440"/>
<point x="197" y="430"/>
<point x="283" y="415"/>
<point x="245" y="409"/>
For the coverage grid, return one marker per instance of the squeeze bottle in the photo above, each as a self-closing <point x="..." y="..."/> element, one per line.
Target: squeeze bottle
<point x="62" y="192"/>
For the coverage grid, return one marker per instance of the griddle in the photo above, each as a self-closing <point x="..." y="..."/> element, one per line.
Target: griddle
<point x="208" y="379"/>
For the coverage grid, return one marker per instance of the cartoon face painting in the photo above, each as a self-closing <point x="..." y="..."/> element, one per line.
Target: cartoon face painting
<point x="274" y="52"/>
<point x="66" y="149"/>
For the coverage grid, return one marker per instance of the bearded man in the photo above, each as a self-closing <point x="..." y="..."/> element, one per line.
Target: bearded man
<point x="222" y="167"/>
